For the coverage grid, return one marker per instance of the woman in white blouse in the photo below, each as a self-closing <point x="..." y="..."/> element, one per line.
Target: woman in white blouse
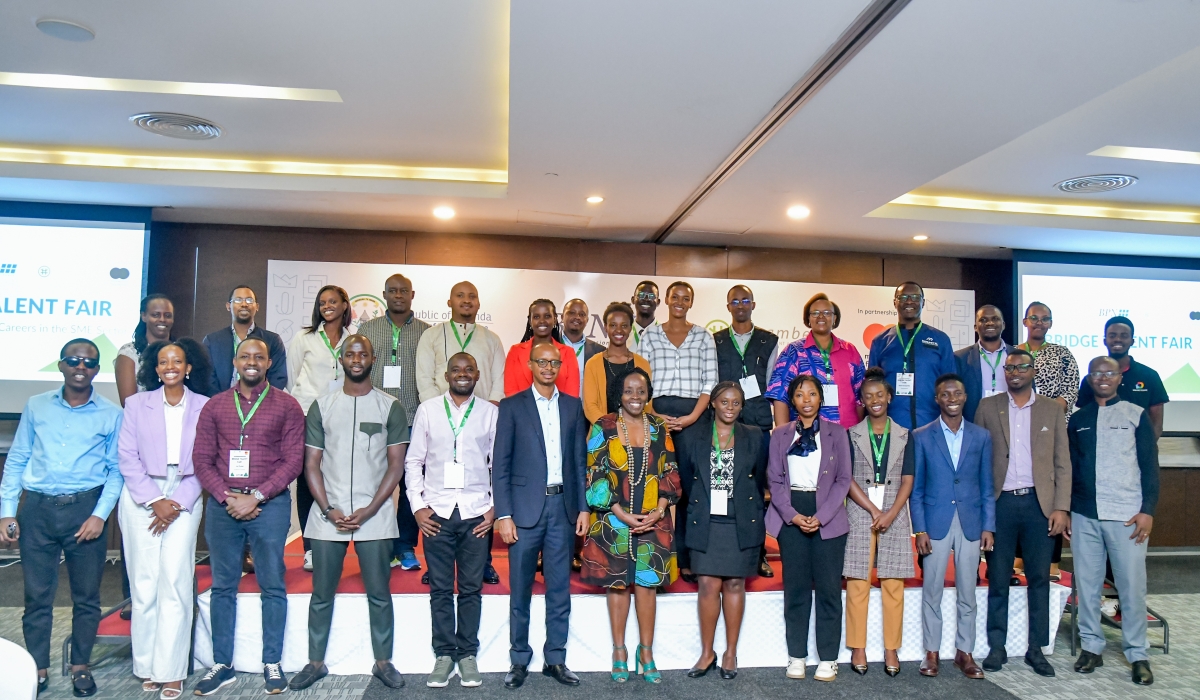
<point x="314" y="369"/>
<point x="160" y="509"/>
<point x="156" y="321"/>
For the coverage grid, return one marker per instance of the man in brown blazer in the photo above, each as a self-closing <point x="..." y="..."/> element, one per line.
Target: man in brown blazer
<point x="1031" y="463"/>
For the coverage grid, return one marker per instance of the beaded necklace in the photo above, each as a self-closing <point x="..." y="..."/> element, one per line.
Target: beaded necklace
<point x="634" y="478"/>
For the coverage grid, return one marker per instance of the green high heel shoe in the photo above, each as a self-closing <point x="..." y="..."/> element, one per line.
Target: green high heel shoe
<point x="648" y="670"/>
<point x="620" y="669"/>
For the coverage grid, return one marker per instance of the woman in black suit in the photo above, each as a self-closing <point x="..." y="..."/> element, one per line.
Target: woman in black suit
<point x="727" y="467"/>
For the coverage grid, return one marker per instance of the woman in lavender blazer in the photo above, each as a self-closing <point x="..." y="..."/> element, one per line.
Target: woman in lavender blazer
<point x="809" y="475"/>
<point x="161" y="508"/>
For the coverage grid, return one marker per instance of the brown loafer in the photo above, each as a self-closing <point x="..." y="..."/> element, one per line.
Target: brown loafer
<point x="967" y="665"/>
<point x="929" y="667"/>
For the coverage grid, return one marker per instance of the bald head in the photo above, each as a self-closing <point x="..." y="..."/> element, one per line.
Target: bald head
<point x="464" y="302"/>
<point x="544" y="363"/>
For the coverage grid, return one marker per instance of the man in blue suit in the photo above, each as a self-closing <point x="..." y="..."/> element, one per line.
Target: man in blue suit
<point x="952" y="509"/>
<point x="538" y="467"/>
<point x="222" y="344"/>
<point x="981" y="365"/>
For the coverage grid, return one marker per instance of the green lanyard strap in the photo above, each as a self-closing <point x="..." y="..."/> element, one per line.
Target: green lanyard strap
<point x="457" y="429"/>
<point x="395" y="338"/>
<point x="994" y="365"/>
<point x="716" y="441"/>
<point x="908" y="346"/>
<point x="1034" y="353"/>
<point x="741" y="351"/>
<point x="461" y="345"/>
<point x="877" y="448"/>
<point x="244" y="418"/>
<point x="825" y="354"/>
<point x="329" y="346"/>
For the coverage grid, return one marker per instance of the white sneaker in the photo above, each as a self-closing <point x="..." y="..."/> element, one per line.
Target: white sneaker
<point x="308" y="560"/>
<point x="795" y="668"/>
<point x="1109" y="606"/>
<point x="826" y="671"/>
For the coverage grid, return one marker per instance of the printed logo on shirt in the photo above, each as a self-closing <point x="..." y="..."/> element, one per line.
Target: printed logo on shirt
<point x="1080" y="430"/>
<point x="1140" y="386"/>
<point x="929" y="342"/>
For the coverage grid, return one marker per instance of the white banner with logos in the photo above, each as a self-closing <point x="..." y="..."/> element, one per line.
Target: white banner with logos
<point x="505" y="295"/>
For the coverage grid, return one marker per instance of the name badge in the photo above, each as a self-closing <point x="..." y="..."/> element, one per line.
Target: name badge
<point x="830" y="392"/>
<point x="906" y="382"/>
<point x="718" y="502"/>
<point x="454" y="475"/>
<point x="239" y="464"/>
<point x="391" y="377"/>
<point x="875" y="493"/>
<point x="750" y="386"/>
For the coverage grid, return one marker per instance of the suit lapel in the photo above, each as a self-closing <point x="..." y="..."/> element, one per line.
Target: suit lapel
<point x="943" y="448"/>
<point x="158" y="419"/>
<point x="1004" y="421"/>
<point x="537" y="420"/>
<point x="564" y="425"/>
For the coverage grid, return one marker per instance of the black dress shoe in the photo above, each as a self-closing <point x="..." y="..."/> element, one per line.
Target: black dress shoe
<point x="388" y="675"/>
<point x="1088" y="662"/>
<point x="728" y="673"/>
<point x="697" y="672"/>
<point x="1037" y="661"/>
<point x="43" y="684"/>
<point x="515" y="677"/>
<point x="307" y="676"/>
<point x="995" y="660"/>
<point x="764" y="569"/>
<point x="126" y="613"/>
<point x="561" y="673"/>
<point x="688" y="577"/>
<point x="490" y="575"/>
<point x="1141" y="673"/>
<point x="425" y="579"/>
<point x="85" y="685"/>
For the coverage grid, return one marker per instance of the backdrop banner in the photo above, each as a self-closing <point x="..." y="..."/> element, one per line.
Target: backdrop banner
<point x="505" y="295"/>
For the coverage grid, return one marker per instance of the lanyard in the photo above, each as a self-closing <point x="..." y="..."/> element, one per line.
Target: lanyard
<point x="461" y="345"/>
<point x="245" y="419"/>
<point x="825" y="353"/>
<point x="579" y="350"/>
<point x="1025" y="346"/>
<point x="741" y="351"/>
<point x="716" y="441"/>
<point x="395" y="339"/>
<point x="637" y="337"/>
<point x="461" y="423"/>
<point x="329" y="346"/>
<point x="908" y="346"/>
<point x="877" y="449"/>
<point x="994" y="365"/>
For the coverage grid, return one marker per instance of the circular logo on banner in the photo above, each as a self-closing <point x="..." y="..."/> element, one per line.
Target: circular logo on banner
<point x="364" y="307"/>
<point x="870" y="332"/>
<point x="716" y="326"/>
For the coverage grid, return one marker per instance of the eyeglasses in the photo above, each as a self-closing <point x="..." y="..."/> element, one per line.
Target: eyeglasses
<point x="88" y="362"/>
<point x="1110" y="374"/>
<point x="1019" y="367"/>
<point x="548" y="363"/>
<point x="818" y="314"/>
<point x="242" y="300"/>
<point x="741" y="302"/>
<point x="646" y="296"/>
<point x="908" y="297"/>
<point x="1038" y="319"/>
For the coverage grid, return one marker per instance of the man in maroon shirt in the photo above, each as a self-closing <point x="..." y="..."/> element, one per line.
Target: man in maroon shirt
<point x="249" y="447"/>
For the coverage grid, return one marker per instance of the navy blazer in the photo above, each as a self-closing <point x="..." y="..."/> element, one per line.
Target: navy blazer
<point x="939" y="491"/>
<point x="968" y="361"/>
<point x="519" y="458"/>
<point x="220" y="350"/>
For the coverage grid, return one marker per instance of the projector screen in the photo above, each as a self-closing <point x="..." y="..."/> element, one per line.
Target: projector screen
<point x="1163" y="303"/>
<point x="61" y="280"/>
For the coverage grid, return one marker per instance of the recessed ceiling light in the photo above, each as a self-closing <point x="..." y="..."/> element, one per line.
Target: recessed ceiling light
<point x="178" y="126"/>
<point x="1021" y="207"/>
<point x="920" y="237"/>
<point x="1161" y="155"/>
<point x="443" y="213"/>
<point x="594" y="199"/>
<point x="798" y="211"/>
<point x="62" y="29"/>
<point x="11" y="154"/>
<point x="167" y="87"/>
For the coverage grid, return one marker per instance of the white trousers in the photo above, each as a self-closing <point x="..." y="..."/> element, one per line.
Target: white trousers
<point x="161" y="571"/>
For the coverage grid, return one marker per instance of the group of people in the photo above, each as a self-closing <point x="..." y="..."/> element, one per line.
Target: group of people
<point x="669" y="452"/>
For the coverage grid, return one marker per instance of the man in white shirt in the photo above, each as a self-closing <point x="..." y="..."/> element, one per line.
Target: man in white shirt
<point x="645" y="301"/>
<point x="460" y="334"/>
<point x="449" y="483"/>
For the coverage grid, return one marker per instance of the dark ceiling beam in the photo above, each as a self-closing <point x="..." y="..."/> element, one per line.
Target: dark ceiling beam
<point x="865" y="27"/>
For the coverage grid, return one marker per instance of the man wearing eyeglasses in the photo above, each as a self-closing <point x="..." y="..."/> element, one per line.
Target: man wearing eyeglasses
<point x="982" y="365"/>
<point x="64" y="459"/>
<point x="1114" y="493"/>
<point x="1140" y="385"/>
<point x="645" y="301"/>
<point x="222" y="344"/>
<point x="1031" y="464"/>
<point x="914" y="355"/>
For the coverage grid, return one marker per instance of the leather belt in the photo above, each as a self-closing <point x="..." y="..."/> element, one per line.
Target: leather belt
<point x="554" y="490"/>
<point x="1020" y="492"/>
<point x="804" y="490"/>
<point x="64" y="499"/>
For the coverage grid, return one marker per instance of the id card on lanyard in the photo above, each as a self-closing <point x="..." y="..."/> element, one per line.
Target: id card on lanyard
<point x="391" y="373"/>
<point x="239" y="459"/>
<point x="829" y="389"/>
<point x="749" y="382"/>
<point x="454" y="473"/>
<point x="718" y="494"/>
<point x="906" y="380"/>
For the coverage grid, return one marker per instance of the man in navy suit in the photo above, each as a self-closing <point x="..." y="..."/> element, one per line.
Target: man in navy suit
<point x="538" y="467"/>
<point x="952" y="509"/>
<point x="222" y="344"/>
<point x="981" y="365"/>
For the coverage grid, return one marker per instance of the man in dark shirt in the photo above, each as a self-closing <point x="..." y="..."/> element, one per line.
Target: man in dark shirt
<point x="1140" y="385"/>
<point x="222" y="344"/>
<point x="249" y="448"/>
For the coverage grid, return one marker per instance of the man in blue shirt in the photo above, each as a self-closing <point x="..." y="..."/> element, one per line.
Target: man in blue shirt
<point x="64" y="458"/>
<point x="914" y="356"/>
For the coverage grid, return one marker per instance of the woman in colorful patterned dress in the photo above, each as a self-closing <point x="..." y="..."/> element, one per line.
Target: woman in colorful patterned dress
<point x="632" y="481"/>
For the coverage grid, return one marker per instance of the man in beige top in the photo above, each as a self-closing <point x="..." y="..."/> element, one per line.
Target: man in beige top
<point x="460" y="334"/>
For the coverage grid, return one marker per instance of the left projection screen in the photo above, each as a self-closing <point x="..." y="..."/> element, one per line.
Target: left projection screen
<point x="61" y="280"/>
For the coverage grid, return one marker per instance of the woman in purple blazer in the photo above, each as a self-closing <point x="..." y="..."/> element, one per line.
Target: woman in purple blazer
<point x="161" y="508"/>
<point x="809" y="475"/>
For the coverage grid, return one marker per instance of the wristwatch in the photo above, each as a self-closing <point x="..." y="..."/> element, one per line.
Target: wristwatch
<point x="325" y="513"/>
<point x="258" y="494"/>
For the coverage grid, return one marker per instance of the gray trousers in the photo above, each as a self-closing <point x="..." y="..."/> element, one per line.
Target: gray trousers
<point x="374" y="557"/>
<point x="1091" y="540"/>
<point x="966" y="572"/>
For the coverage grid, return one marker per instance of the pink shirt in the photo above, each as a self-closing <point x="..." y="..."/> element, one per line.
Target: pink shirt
<point x="1020" y="450"/>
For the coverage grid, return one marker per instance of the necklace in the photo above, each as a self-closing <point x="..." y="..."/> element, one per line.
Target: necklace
<point x="609" y="365"/>
<point x="634" y="478"/>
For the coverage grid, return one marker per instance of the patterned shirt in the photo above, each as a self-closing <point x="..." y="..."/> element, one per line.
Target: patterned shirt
<point x="1056" y="373"/>
<point x="686" y="371"/>
<point x="846" y="371"/>
<point x="402" y="354"/>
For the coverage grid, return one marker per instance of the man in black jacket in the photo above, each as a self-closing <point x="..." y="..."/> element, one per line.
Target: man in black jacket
<point x="222" y="344"/>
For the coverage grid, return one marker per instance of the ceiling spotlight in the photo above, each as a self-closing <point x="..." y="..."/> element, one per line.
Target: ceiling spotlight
<point x="62" y="29"/>
<point x="443" y="213"/>
<point x="798" y="212"/>
<point x="594" y="199"/>
<point x="920" y="237"/>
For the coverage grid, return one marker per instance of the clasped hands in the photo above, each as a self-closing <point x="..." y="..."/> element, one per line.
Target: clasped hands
<point x="638" y="524"/>
<point x="165" y="512"/>
<point x="807" y="523"/>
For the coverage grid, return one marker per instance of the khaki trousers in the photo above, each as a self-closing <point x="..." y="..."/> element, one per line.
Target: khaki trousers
<point x="858" y="593"/>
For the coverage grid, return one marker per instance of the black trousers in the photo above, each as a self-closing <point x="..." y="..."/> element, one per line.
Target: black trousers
<point x="456" y="546"/>
<point x="48" y="532"/>
<point x="676" y="406"/>
<point x="304" y="503"/>
<point x="1019" y="520"/>
<point x="811" y="563"/>
<point x="406" y="523"/>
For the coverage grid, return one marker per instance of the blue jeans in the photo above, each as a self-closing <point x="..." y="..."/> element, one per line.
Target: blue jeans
<point x="227" y="538"/>
<point x="1091" y="540"/>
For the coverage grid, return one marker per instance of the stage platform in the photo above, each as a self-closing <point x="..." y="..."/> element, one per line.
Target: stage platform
<point x="589" y="648"/>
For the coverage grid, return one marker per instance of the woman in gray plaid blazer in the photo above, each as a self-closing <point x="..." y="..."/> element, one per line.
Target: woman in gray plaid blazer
<point x="880" y="531"/>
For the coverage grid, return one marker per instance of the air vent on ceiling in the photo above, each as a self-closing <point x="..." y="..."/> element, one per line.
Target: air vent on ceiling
<point x="178" y="126"/>
<point x="1096" y="183"/>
